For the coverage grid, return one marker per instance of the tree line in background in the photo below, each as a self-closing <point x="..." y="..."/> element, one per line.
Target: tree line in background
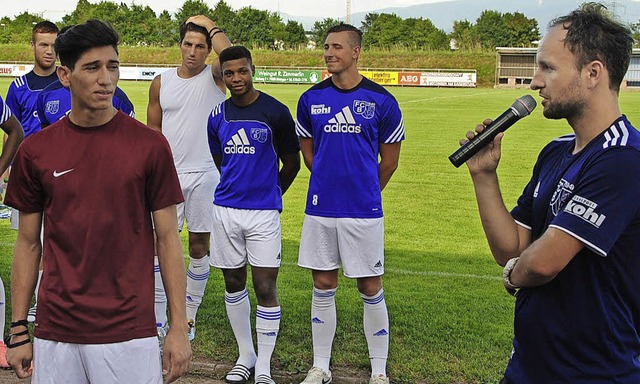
<point x="139" y="25"/>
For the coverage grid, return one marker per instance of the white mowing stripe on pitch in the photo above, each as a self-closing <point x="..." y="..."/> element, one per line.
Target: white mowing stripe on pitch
<point x="442" y="274"/>
<point x="400" y="271"/>
<point x="444" y="97"/>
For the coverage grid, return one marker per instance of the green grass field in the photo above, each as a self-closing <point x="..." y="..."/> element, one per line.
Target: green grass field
<point x="451" y="320"/>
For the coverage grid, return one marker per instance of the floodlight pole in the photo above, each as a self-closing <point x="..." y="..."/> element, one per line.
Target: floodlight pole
<point x="348" y="18"/>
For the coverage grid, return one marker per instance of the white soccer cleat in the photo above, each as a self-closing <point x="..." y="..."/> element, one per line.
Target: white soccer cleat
<point x="317" y="376"/>
<point x="192" y="330"/>
<point x="162" y="333"/>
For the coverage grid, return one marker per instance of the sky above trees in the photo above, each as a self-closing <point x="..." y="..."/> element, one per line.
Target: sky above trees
<point x="324" y="8"/>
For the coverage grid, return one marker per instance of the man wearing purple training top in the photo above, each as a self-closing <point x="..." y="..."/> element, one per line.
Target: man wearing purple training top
<point x="345" y="123"/>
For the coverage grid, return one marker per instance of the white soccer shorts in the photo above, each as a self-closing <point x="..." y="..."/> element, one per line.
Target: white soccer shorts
<point x="15" y="219"/>
<point x="133" y="361"/>
<point x="198" y="189"/>
<point x="245" y="236"/>
<point x="357" y="244"/>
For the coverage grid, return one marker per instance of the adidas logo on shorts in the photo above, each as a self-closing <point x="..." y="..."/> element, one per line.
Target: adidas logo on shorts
<point x="378" y="264"/>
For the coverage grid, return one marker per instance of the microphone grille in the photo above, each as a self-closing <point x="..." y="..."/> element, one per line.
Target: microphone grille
<point x="524" y="105"/>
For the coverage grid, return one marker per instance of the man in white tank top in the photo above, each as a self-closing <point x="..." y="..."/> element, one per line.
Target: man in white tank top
<point x="180" y="102"/>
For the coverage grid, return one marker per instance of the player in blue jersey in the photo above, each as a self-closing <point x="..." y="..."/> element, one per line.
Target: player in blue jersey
<point x="12" y="128"/>
<point x="54" y="103"/>
<point x="345" y="123"/>
<point x="23" y="91"/>
<point x="249" y="135"/>
<point x="570" y="248"/>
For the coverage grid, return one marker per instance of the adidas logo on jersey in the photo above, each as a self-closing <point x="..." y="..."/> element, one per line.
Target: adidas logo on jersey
<point x="320" y="109"/>
<point x="239" y="144"/>
<point x="585" y="209"/>
<point x="343" y="122"/>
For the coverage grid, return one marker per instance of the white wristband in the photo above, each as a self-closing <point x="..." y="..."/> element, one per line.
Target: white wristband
<point x="506" y="273"/>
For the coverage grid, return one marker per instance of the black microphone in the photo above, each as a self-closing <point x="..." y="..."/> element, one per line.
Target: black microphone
<point x="519" y="109"/>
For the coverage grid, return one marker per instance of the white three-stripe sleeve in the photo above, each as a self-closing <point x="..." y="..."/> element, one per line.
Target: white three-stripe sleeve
<point x="397" y="134"/>
<point x="625" y="133"/>
<point x="5" y="113"/>
<point x="302" y="131"/>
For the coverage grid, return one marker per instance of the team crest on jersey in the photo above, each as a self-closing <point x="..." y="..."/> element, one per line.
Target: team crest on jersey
<point x="52" y="107"/>
<point x="564" y="189"/>
<point x="259" y="134"/>
<point x="364" y="108"/>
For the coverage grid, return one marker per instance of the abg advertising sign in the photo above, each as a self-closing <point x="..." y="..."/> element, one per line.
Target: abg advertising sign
<point x="409" y="78"/>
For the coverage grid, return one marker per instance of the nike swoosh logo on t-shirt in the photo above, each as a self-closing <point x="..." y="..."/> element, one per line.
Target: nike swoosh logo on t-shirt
<point x="58" y="174"/>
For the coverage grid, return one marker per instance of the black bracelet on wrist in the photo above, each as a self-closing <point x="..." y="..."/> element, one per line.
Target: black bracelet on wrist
<point x="213" y="29"/>
<point x="19" y="323"/>
<point x="19" y="343"/>
<point x="216" y="32"/>
<point x="7" y="340"/>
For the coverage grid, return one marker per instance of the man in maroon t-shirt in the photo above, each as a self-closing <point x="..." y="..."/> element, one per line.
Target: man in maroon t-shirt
<point x="95" y="178"/>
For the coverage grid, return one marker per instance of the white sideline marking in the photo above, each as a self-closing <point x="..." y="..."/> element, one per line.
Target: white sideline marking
<point x="400" y="271"/>
<point x="443" y="97"/>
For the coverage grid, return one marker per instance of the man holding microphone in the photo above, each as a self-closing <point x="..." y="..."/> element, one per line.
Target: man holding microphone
<point x="570" y="247"/>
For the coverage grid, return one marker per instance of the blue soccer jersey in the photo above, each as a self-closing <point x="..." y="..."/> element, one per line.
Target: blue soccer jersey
<point x="54" y="103"/>
<point x="251" y="140"/>
<point x="582" y="327"/>
<point x="22" y="99"/>
<point x="5" y="112"/>
<point x="347" y="128"/>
